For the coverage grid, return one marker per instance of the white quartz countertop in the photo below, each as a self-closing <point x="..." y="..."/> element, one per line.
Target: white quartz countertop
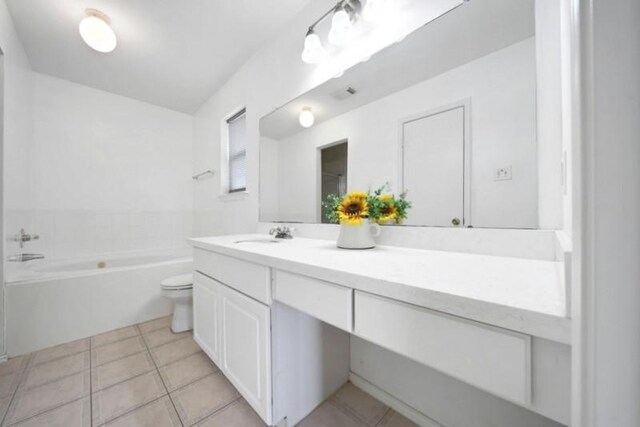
<point x="519" y="294"/>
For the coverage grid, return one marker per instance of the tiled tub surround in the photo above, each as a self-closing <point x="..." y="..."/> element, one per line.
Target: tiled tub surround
<point x="145" y="375"/>
<point x="47" y="309"/>
<point x="68" y="234"/>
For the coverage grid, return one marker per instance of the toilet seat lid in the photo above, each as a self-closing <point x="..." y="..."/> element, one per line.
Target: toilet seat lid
<point x="181" y="281"/>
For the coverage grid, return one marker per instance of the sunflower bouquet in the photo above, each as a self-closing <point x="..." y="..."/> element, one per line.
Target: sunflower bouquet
<point x="377" y="206"/>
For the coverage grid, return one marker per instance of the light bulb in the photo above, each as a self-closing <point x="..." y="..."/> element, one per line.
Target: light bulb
<point x="340" y="26"/>
<point x="96" y="32"/>
<point x="313" y="53"/>
<point x="306" y="118"/>
<point x="374" y="11"/>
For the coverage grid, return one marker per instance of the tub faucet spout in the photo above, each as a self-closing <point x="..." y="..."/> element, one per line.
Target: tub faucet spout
<point x="24" y="257"/>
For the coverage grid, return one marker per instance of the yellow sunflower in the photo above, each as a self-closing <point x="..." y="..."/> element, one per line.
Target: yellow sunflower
<point x="389" y="212"/>
<point x="353" y="208"/>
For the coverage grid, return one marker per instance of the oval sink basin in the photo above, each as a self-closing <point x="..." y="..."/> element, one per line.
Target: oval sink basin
<point x="258" y="241"/>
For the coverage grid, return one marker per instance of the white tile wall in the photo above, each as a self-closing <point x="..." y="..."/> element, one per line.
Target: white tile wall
<point x="81" y="233"/>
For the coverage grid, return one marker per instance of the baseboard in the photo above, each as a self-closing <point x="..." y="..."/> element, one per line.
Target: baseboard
<point x="3" y="358"/>
<point x="393" y="402"/>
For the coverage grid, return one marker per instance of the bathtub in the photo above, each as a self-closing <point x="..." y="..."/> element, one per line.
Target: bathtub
<point x="53" y="302"/>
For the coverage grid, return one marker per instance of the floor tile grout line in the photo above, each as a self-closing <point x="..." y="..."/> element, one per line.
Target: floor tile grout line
<point x="383" y="417"/>
<point x="83" y="371"/>
<point x="132" y="410"/>
<point x="91" y="382"/>
<point x="139" y="374"/>
<point x="128" y="411"/>
<point x="35" y="353"/>
<point x="98" y="365"/>
<point x="135" y="408"/>
<point x="123" y="381"/>
<point x="23" y="374"/>
<point x="349" y="411"/>
<point x="152" y="320"/>
<point x="217" y="411"/>
<point x="116" y="341"/>
<point x="52" y="408"/>
<point x="191" y="355"/>
<point x="188" y="384"/>
<point x="44" y="412"/>
<point x="161" y="379"/>
<point x="165" y="343"/>
<point x="218" y="371"/>
<point x="35" y="365"/>
<point x="30" y="363"/>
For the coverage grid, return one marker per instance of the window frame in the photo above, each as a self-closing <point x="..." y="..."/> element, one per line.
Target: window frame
<point x="226" y="191"/>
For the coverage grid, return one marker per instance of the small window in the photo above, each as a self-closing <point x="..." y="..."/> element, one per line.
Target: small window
<point x="237" y="152"/>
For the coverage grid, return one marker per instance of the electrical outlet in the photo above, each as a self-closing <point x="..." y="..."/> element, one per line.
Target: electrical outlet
<point x="503" y="174"/>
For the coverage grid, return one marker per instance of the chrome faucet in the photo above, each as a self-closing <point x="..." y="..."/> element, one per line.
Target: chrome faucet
<point x="281" y="232"/>
<point x="24" y="257"/>
<point x="23" y="237"/>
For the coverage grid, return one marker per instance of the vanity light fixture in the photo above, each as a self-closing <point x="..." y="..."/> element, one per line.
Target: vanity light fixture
<point x="340" y="27"/>
<point x="96" y="31"/>
<point x="343" y="15"/>
<point x="313" y="52"/>
<point x="374" y="10"/>
<point x="306" y="118"/>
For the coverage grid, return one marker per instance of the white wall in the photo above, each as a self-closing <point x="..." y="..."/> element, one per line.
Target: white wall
<point x="501" y="88"/>
<point x="606" y="225"/>
<point x="271" y="78"/>
<point x="16" y="129"/>
<point x="108" y="173"/>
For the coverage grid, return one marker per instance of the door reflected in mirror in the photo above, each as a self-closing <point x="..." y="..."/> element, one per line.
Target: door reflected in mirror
<point x="333" y="179"/>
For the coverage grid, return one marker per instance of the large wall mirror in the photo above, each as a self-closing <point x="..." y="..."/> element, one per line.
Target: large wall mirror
<point x="448" y="114"/>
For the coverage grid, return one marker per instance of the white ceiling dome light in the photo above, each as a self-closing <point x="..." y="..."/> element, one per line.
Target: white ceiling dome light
<point x="96" y="31"/>
<point x="306" y="118"/>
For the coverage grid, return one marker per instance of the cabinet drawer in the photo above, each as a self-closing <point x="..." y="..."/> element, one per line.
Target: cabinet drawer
<point x="493" y="359"/>
<point x="322" y="300"/>
<point x="250" y="279"/>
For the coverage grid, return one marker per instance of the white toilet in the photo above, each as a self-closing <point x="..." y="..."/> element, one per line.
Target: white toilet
<point x="179" y="289"/>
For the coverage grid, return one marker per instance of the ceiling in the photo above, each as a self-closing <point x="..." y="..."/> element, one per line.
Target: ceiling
<point x="473" y="30"/>
<point x="171" y="53"/>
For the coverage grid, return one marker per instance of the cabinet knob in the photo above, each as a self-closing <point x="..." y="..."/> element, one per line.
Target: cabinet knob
<point x="455" y="221"/>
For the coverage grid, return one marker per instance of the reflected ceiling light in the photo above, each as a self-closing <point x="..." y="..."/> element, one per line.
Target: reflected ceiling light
<point x="374" y="11"/>
<point x="306" y="118"/>
<point x="313" y="52"/>
<point x="340" y="27"/>
<point x="96" y="32"/>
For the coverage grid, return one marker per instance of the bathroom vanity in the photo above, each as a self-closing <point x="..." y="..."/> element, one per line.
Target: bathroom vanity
<point x="464" y="116"/>
<point x="276" y="315"/>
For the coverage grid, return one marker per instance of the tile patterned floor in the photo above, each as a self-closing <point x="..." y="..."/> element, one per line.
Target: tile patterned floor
<point x="145" y="375"/>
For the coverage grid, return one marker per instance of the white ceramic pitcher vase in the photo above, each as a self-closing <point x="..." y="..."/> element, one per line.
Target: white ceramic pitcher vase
<point x="358" y="236"/>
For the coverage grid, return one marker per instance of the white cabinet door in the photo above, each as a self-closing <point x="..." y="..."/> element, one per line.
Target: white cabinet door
<point x="246" y="349"/>
<point x="206" y="315"/>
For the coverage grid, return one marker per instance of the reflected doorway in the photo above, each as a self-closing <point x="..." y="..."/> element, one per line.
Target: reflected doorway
<point x="333" y="178"/>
